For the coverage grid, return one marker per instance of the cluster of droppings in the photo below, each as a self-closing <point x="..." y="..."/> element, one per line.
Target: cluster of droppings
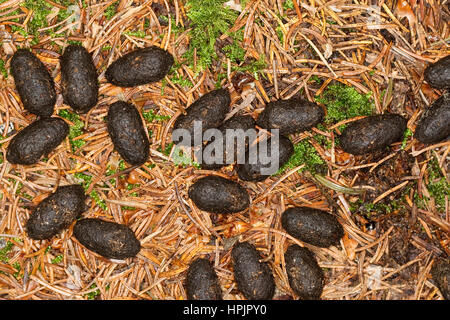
<point x="79" y="88"/>
<point x="254" y="278"/>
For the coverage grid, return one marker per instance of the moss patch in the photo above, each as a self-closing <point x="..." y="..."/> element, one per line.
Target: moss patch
<point x="304" y="153"/>
<point x="344" y="102"/>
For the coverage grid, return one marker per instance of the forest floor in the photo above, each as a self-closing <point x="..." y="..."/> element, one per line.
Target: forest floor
<point x="354" y="58"/>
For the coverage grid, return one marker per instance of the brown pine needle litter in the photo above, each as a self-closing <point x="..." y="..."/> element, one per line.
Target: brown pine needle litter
<point x="393" y="232"/>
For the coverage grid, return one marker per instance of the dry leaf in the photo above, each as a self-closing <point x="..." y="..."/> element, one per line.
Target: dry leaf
<point x="404" y="10"/>
<point x="374" y="276"/>
<point x="349" y="246"/>
<point x="328" y="50"/>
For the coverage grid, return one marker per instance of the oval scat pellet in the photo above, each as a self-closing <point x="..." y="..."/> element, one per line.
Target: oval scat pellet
<point x="56" y="212"/>
<point x="140" y="67"/>
<point x="290" y="116"/>
<point x="210" y="110"/>
<point x="33" y="82"/>
<point x="79" y="84"/>
<point x="235" y="123"/>
<point x="253" y="171"/>
<point x="108" y="239"/>
<point x="253" y="278"/>
<point x="438" y="74"/>
<point x="372" y="133"/>
<point x="202" y="282"/>
<point x="312" y="226"/>
<point x="440" y="272"/>
<point x="434" y="125"/>
<point x="219" y="195"/>
<point x="126" y="129"/>
<point x="304" y="274"/>
<point x="36" y="140"/>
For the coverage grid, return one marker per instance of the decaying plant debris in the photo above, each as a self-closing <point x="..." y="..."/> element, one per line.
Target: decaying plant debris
<point x="348" y="56"/>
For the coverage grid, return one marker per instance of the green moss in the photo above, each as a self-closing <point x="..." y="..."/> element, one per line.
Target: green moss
<point x="121" y="166"/>
<point x="131" y="186"/>
<point x="5" y="250"/>
<point x="176" y="29"/>
<point x="86" y="181"/>
<point x="41" y="9"/>
<point x="210" y="19"/>
<point x="344" y="102"/>
<point x="255" y="67"/>
<point x="99" y="201"/>
<point x="315" y="79"/>
<point x="304" y="153"/>
<point x="288" y="4"/>
<point x="234" y="51"/>
<point x="111" y="10"/>
<point x="151" y="116"/>
<point x="75" y="42"/>
<point x="75" y="130"/>
<point x="3" y="70"/>
<point x="166" y="150"/>
<point x="84" y="178"/>
<point x="183" y="82"/>
<point x="280" y="34"/>
<point x="18" y="275"/>
<point x="138" y="33"/>
<point x="57" y="259"/>
<point x="370" y="209"/>
<point x="437" y="186"/>
<point x="406" y="135"/>
<point x="92" y="295"/>
<point x="183" y="159"/>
